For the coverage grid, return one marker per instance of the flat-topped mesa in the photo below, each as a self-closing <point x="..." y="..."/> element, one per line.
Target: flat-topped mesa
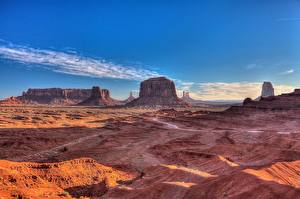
<point x="78" y="94"/>
<point x="157" y="92"/>
<point x="53" y="96"/>
<point x="99" y="97"/>
<point x="267" y="89"/>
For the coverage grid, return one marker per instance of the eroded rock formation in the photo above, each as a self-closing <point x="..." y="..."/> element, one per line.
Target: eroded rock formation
<point x="267" y="89"/>
<point x="156" y="92"/>
<point x="129" y="99"/>
<point x="99" y="97"/>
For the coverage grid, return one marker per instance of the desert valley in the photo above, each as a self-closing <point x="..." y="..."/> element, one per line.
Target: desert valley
<point x="153" y="146"/>
<point x="149" y="99"/>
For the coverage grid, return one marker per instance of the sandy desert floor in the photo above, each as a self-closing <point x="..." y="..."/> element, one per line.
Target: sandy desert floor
<point x="132" y="153"/>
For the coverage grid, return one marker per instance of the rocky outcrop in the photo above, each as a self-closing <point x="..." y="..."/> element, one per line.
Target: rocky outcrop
<point x="267" y="89"/>
<point x="280" y="102"/>
<point x="11" y="101"/>
<point x="59" y="179"/>
<point x="247" y="101"/>
<point x="186" y="97"/>
<point x="157" y="92"/>
<point x="99" y="97"/>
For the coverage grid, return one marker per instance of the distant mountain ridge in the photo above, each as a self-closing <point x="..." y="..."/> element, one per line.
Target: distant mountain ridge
<point x="201" y="103"/>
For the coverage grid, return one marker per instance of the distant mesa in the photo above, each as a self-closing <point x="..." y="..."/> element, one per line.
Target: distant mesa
<point x="186" y="97"/>
<point x="63" y="97"/>
<point x="99" y="97"/>
<point x="50" y="96"/>
<point x="157" y="92"/>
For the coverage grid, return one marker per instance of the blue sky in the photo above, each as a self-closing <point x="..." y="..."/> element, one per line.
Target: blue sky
<point x="215" y="49"/>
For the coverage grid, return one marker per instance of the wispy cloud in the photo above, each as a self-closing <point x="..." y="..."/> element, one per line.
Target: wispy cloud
<point x="183" y="85"/>
<point x="287" y="72"/>
<point x="251" y="66"/>
<point x="70" y="63"/>
<point x="232" y="91"/>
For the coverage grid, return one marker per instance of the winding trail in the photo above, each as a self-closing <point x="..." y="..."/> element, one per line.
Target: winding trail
<point x="145" y="156"/>
<point x="173" y="126"/>
<point x="58" y="149"/>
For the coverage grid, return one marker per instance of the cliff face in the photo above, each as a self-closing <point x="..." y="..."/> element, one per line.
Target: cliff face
<point x="55" y="96"/>
<point x="99" y="97"/>
<point x="158" y="91"/>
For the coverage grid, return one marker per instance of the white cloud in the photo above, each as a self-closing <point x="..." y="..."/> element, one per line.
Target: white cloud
<point x="232" y="91"/>
<point x="71" y="63"/>
<point x="290" y="71"/>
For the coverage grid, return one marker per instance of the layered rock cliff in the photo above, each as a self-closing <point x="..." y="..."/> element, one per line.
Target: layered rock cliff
<point x="50" y="96"/>
<point x="55" y="96"/>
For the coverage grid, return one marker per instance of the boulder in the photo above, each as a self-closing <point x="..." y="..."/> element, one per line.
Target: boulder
<point x="247" y="101"/>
